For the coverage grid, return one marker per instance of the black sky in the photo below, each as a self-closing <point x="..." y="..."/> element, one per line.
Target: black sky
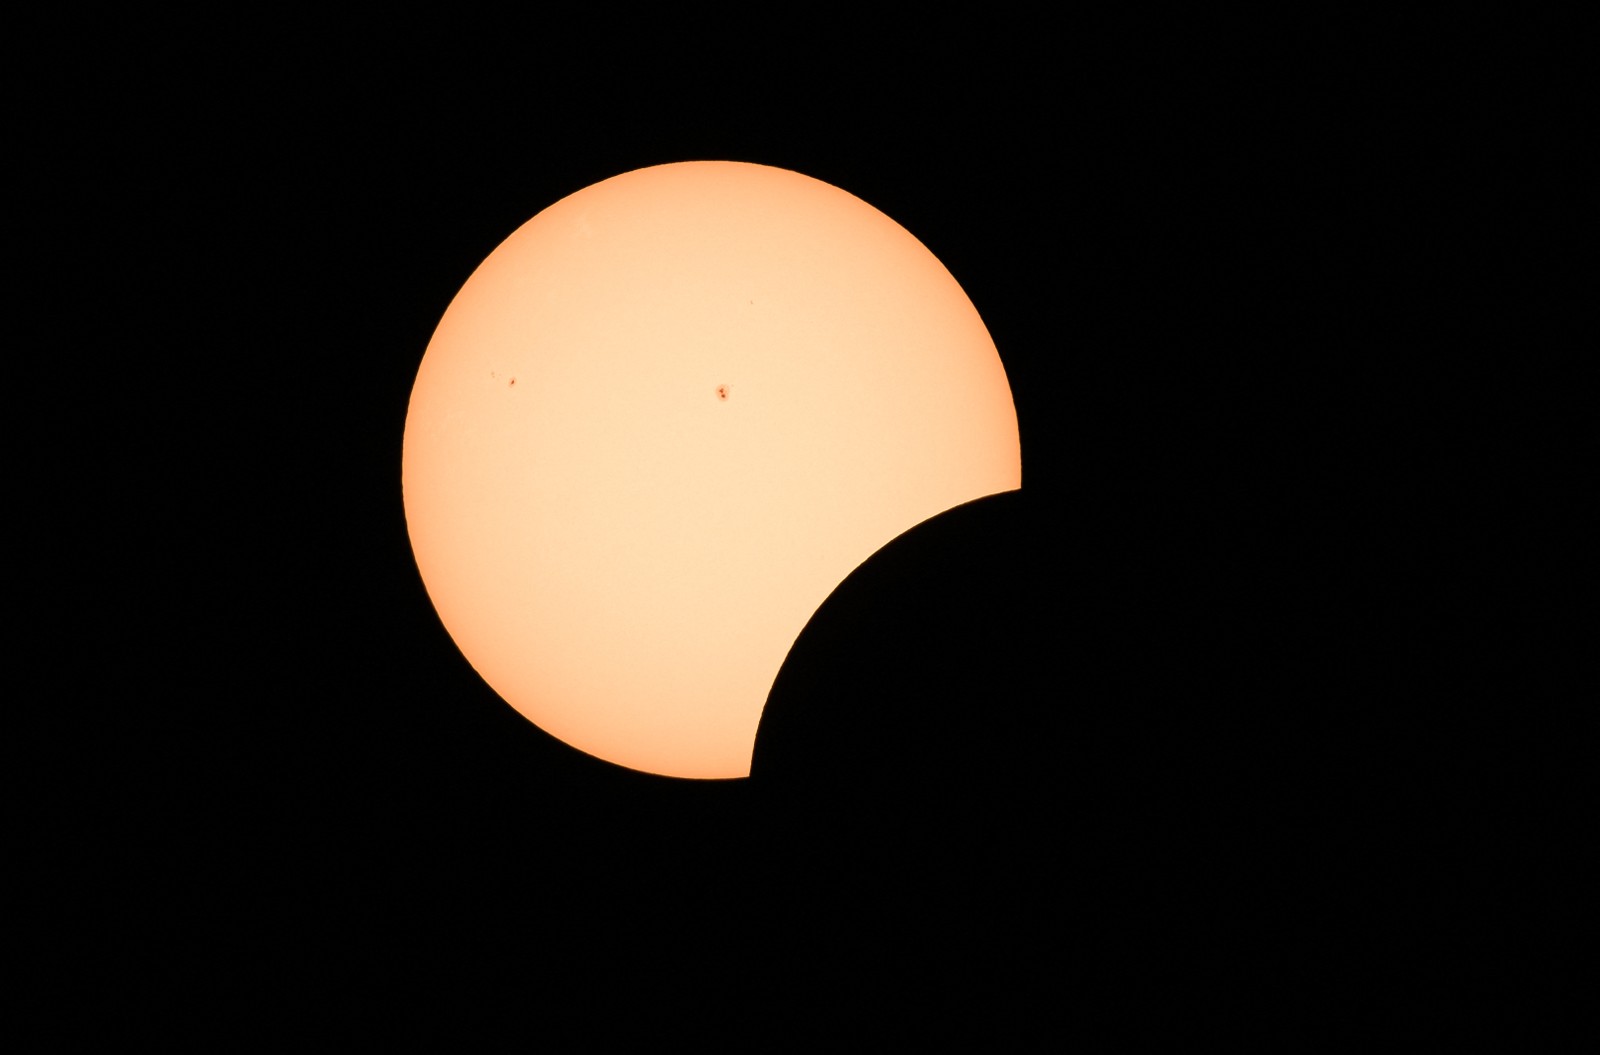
<point x="1203" y="641"/>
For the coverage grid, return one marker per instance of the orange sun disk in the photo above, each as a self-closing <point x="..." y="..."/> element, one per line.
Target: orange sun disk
<point x="657" y="427"/>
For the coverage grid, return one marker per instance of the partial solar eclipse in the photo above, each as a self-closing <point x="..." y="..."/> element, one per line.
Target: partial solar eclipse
<point x="657" y="427"/>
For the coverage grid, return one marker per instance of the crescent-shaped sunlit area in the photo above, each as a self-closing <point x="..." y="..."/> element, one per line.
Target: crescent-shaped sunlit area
<point x="662" y="422"/>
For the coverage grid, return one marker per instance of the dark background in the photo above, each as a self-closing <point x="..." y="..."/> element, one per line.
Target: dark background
<point x="1182" y="732"/>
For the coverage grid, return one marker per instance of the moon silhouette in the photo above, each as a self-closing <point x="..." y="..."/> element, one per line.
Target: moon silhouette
<point x="661" y="422"/>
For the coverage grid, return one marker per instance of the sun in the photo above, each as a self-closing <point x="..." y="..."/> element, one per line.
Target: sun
<point x="662" y="421"/>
